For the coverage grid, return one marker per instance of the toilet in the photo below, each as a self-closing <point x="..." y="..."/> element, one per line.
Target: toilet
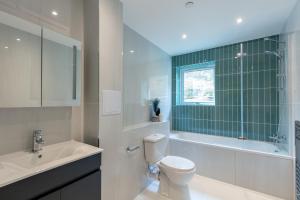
<point x="174" y="172"/>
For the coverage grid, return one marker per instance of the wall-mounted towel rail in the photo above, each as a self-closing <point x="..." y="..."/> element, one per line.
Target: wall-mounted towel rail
<point x="131" y="149"/>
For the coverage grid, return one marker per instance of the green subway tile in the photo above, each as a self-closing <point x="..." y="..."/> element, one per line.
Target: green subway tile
<point x="255" y="47"/>
<point x="267" y="112"/>
<point x="226" y="52"/>
<point x="222" y="53"/>
<point x="259" y="90"/>
<point x="256" y="80"/>
<point x="261" y="46"/>
<point x="250" y="48"/>
<point x="274" y="114"/>
<point x="267" y="97"/>
<point x="255" y="62"/>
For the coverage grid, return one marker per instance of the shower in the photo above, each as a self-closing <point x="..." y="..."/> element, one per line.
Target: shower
<point x="279" y="53"/>
<point x="249" y="102"/>
<point x="241" y="55"/>
<point x="280" y="49"/>
<point x="274" y="53"/>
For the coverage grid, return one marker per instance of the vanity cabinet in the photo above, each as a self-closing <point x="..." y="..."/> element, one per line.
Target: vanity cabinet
<point x="52" y="196"/>
<point x="87" y="188"/>
<point x="78" y="180"/>
<point x="60" y="70"/>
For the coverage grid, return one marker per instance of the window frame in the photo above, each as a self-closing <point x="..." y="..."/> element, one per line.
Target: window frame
<point x="196" y="67"/>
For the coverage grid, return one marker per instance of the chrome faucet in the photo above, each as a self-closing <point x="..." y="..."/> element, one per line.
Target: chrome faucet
<point x="277" y="138"/>
<point x="37" y="141"/>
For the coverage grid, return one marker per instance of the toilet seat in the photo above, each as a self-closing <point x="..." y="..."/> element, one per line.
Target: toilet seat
<point x="177" y="164"/>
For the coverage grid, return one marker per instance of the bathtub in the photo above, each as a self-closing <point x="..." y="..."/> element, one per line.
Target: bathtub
<point x="255" y="165"/>
<point x="251" y="146"/>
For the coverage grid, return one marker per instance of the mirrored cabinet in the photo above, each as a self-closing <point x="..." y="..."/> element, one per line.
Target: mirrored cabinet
<point x="38" y="67"/>
<point x="60" y="70"/>
<point x="20" y="63"/>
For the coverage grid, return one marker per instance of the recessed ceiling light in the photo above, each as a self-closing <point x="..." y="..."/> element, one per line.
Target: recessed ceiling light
<point x="189" y="4"/>
<point x="184" y="36"/>
<point x="239" y="20"/>
<point x="18" y="39"/>
<point x="55" y="13"/>
<point x="6" y="47"/>
<point x="131" y="51"/>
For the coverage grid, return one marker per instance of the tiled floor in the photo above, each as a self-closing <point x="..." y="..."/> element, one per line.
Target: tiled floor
<point x="203" y="188"/>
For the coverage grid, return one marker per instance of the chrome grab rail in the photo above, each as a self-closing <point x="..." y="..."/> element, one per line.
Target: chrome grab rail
<point x="131" y="149"/>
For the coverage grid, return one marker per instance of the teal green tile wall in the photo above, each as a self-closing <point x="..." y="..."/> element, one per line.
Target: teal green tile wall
<point x="260" y="92"/>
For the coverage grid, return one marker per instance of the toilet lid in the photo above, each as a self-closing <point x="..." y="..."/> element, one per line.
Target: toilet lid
<point x="177" y="163"/>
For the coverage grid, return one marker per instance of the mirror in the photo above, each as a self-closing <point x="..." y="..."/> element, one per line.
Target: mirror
<point x="20" y="62"/>
<point x="37" y="71"/>
<point x="60" y="70"/>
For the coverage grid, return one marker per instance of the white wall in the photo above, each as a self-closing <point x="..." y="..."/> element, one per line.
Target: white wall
<point x="293" y="22"/>
<point x="291" y="34"/>
<point x="103" y="62"/>
<point x="123" y="175"/>
<point x="59" y="124"/>
<point x="110" y="78"/>
<point x="17" y="125"/>
<point x="147" y="74"/>
<point x="134" y="177"/>
<point x="91" y="74"/>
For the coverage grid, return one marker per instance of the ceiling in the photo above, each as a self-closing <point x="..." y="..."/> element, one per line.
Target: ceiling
<point x="209" y="23"/>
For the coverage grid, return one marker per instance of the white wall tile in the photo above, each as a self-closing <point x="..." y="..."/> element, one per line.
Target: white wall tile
<point x="143" y="66"/>
<point x="265" y="174"/>
<point x="147" y="75"/>
<point x="17" y="125"/>
<point x="212" y="162"/>
<point x="134" y="167"/>
<point x="110" y="78"/>
<point x="271" y="175"/>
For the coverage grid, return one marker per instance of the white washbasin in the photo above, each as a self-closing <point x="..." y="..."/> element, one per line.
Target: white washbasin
<point x="52" y="153"/>
<point x="8" y="170"/>
<point x="20" y="165"/>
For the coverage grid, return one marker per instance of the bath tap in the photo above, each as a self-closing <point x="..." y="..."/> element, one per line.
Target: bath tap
<point x="277" y="139"/>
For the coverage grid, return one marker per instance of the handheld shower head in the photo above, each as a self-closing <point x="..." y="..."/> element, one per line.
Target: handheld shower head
<point x="274" y="54"/>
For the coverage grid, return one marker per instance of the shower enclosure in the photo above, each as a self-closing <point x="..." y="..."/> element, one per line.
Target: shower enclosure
<point x="250" y="92"/>
<point x="244" y="127"/>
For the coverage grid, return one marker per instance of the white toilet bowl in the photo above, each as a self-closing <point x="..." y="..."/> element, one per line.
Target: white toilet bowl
<point x="175" y="174"/>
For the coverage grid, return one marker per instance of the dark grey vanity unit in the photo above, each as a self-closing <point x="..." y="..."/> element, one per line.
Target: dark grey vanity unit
<point x="78" y="180"/>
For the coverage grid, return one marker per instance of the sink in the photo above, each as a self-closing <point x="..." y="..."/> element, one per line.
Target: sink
<point x="8" y="170"/>
<point x="36" y="159"/>
<point x="50" y="154"/>
<point x="19" y="165"/>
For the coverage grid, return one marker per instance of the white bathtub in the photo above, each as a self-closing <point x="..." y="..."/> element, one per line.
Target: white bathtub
<point x="251" y="164"/>
<point x="232" y="143"/>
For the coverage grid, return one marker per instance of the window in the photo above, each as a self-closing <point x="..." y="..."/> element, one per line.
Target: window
<point x="198" y="84"/>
